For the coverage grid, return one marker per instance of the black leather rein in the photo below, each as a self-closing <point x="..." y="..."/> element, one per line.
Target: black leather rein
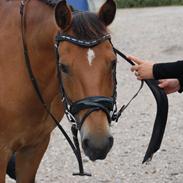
<point x="161" y="115"/>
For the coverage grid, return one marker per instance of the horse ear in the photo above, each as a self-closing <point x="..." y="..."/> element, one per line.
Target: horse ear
<point x="107" y="12"/>
<point x="63" y="15"/>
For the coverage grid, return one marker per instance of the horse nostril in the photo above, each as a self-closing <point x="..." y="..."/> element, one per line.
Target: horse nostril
<point x="111" y="140"/>
<point x="97" y="149"/>
<point x="85" y="143"/>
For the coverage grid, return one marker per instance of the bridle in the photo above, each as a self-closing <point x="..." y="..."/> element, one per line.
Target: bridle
<point x="94" y="103"/>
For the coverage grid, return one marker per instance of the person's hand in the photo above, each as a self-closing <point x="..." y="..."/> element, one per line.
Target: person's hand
<point x="169" y="85"/>
<point x="143" y="69"/>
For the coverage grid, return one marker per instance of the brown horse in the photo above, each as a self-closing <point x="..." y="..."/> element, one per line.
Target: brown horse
<point x="25" y="126"/>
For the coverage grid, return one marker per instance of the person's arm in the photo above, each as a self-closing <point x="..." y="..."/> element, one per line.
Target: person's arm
<point x="168" y="70"/>
<point x="150" y="70"/>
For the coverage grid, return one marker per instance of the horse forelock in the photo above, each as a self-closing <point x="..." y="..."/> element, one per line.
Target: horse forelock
<point x="51" y="3"/>
<point x="87" y="26"/>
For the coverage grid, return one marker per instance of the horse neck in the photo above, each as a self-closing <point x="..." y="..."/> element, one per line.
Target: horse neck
<point x="40" y="32"/>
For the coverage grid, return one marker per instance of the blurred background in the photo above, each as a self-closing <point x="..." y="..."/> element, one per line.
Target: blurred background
<point x="93" y="5"/>
<point x="147" y="3"/>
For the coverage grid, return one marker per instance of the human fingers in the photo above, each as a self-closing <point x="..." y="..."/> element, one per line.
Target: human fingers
<point x="134" y="68"/>
<point x="137" y="74"/>
<point x="135" y="59"/>
<point x="163" y="83"/>
<point x="161" y="80"/>
<point x="139" y="77"/>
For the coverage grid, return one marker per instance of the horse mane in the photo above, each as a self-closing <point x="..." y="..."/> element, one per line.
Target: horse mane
<point x="51" y="3"/>
<point x="87" y="26"/>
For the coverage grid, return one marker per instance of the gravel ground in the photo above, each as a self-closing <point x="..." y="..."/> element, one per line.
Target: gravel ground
<point x="150" y="33"/>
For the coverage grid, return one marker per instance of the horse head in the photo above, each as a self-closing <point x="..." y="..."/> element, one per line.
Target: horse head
<point x="87" y="64"/>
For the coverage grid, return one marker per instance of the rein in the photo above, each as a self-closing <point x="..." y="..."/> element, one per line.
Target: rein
<point x="74" y="146"/>
<point x="94" y="103"/>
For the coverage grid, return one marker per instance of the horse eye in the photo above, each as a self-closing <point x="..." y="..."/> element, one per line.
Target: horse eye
<point x="64" y="68"/>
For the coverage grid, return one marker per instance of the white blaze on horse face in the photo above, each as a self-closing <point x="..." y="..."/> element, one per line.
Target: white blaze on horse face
<point x="91" y="56"/>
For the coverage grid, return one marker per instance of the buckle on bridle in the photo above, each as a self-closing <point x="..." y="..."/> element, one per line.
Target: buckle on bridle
<point x="22" y="4"/>
<point x="116" y="115"/>
<point x="70" y="117"/>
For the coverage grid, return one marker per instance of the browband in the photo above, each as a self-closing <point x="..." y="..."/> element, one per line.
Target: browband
<point x="82" y="43"/>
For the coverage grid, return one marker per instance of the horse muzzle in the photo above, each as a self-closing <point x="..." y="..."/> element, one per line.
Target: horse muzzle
<point x="96" y="145"/>
<point x="97" y="151"/>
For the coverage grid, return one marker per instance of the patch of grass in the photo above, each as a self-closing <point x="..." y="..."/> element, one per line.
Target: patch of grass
<point x="147" y="3"/>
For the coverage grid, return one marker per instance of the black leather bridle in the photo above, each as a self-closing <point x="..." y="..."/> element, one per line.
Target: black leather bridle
<point x="94" y="103"/>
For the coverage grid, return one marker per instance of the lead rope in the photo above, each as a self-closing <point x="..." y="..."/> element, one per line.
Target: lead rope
<point x="74" y="146"/>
